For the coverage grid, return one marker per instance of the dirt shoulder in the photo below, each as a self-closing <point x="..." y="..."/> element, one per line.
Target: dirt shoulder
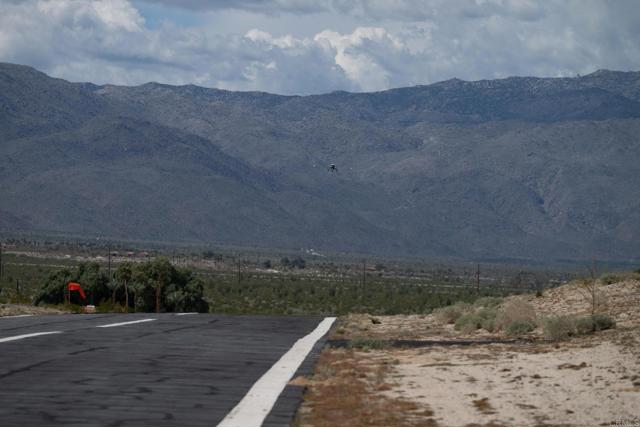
<point x="587" y="380"/>
<point x="22" y="309"/>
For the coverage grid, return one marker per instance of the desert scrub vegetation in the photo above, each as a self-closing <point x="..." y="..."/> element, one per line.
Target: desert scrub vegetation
<point x="515" y="317"/>
<point x="471" y="317"/>
<point x="468" y="323"/>
<point x="520" y="327"/>
<point x="323" y="297"/>
<point x="559" y="328"/>
<point x="611" y="278"/>
<point x="452" y="313"/>
<point x="594" y="323"/>
<point x="515" y="310"/>
<point x="482" y="318"/>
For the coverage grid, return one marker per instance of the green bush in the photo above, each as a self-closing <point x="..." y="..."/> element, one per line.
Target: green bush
<point x="452" y="313"/>
<point x="520" y="327"/>
<point x="468" y="322"/>
<point x="602" y="322"/>
<point x="594" y="323"/>
<point x="611" y="278"/>
<point x="489" y="325"/>
<point x="558" y="328"/>
<point x="488" y="316"/>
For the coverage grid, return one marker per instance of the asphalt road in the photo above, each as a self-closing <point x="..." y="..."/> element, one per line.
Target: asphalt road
<point x="189" y="370"/>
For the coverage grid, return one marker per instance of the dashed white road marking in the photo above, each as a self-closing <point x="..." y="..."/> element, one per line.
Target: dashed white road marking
<point x="17" y="315"/>
<point x="111" y="325"/>
<point x="185" y="314"/>
<point x="19" y="337"/>
<point x="257" y="403"/>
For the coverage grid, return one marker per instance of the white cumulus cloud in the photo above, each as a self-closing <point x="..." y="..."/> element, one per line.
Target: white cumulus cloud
<point x="380" y="44"/>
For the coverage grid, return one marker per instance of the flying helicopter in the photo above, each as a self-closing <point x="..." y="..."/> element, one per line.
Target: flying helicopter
<point x="332" y="168"/>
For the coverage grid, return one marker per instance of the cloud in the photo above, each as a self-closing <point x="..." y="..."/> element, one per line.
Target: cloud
<point x="263" y="6"/>
<point x="388" y="43"/>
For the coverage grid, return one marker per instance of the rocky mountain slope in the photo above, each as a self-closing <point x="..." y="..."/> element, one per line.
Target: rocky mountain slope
<point x="532" y="168"/>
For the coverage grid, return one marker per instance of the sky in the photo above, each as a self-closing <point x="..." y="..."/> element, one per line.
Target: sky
<point x="317" y="46"/>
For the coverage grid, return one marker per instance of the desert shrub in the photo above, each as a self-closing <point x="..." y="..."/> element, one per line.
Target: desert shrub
<point x="488" y="316"/>
<point x="489" y="324"/>
<point x="584" y="325"/>
<point x="472" y="320"/>
<point x="367" y="344"/>
<point x="611" y="278"/>
<point x="452" y="313"/>
<point x="468" y="322"/>
<point x="594" y="323"/>
<point x="602" y="322"/>
<point x="520" y="327"/>
<point x="559" y="327"/>
<point x="515" y="310"/>
<point x="488" y="302"/>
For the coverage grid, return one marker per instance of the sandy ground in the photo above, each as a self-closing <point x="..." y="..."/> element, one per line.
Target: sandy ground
<point x="20" y="309"/>
<point x="526" y="386"/>
<point x="591" y="380"/>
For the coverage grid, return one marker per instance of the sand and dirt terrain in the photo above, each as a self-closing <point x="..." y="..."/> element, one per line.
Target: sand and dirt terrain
<point x="588" y="379"/>
<point x="22" y="309"/>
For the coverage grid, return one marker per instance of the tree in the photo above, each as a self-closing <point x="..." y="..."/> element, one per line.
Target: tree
<point x="298" y="262"/>
<point x="124" y="273"/>
<point x="589" y="291"/>
<point x="161" y="270"/>
<point x="155" y="285"/>
<point x="94" y="281"/>
<point x="54" y="289"/>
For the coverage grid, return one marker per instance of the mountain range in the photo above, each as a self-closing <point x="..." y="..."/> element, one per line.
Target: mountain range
<point x="519" y="168"/>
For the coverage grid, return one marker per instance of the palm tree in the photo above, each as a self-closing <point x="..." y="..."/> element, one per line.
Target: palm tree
<point x="124" y="275"/>
<point x="161" y="270"/>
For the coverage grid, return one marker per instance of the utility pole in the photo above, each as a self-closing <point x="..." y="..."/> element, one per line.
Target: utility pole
<point x="1" y="265"/>
<point x="364" y="280"/>
<point x="364" y="273"/>
<point x="109" y="263"/>
<point x="239" y="276"/>
<point x="478" y="279"/>
<point x="18" y="291"/>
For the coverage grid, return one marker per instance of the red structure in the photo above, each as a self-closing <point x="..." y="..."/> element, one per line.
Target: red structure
<point x="72" y="286"/>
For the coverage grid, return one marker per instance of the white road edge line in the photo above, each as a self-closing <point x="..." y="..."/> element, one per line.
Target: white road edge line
<point x="111" y="325"/>
<point x="17" y="315"/>
<point x="36" y="334"/>
<point x="185" y="314"/>
<point x="257" y="403"/>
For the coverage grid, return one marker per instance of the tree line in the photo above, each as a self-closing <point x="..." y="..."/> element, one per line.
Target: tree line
<point x="150" y="286"/>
